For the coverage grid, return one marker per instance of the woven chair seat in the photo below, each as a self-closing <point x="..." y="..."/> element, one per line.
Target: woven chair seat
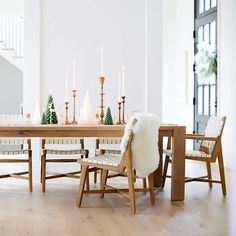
<point x="189" y="153"/>
<point x="14" y="152"/>
<point x="109" y="160"/>
<point x="66" y="152"/>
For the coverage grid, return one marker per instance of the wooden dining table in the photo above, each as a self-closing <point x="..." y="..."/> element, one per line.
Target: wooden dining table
<point x="176" y="132"/>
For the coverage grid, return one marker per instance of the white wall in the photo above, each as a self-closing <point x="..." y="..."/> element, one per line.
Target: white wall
<point x="76" y="30"/>
<point x="178" y="24"/>
<point x="227" y="72"/>
<point x="11" y="80"/>
<point x="153" y="57"/>
<point x="130" y="32"/>
<point x="227" y="85"/>
<point x="12" y="7"/>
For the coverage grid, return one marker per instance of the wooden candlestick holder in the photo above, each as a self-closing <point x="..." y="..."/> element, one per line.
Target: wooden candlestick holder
<point x="74" y="122"/>
<point x="119" y="108"/>
<point x="67" y="120"/>
<point x="123" y="109"/>
<point x="102" y="80"/>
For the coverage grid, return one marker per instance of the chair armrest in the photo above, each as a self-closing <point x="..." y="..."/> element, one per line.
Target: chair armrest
<point x="200" y="137"/>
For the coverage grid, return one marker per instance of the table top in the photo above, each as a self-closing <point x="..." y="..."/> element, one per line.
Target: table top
<point x="30" y="130"/>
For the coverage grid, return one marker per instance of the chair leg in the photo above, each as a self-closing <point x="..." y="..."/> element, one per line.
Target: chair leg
<point x="167" y="159"/>
<point x="87" y="182"/>
<point x="41" y="170"/>
<point x="104" y="174"/>
<point x="222" y="173"/>
<point x="30" y="174"/>
<point x="151" y="188"/>
<point x="135" y="179"/>
<point x="144" y="183"/>
<point x="208" y="165"/>
<point x="84" y="175"/>
<point x="131" y="189"/>
<point x="43" y="173"/>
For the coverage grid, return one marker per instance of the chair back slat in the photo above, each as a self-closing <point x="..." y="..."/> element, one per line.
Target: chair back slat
<point x="110" y="141"/>
<point x="214" y="128"/>
<point x="63" y="141"/>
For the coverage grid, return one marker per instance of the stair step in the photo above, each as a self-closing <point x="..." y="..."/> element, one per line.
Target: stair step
<point x="8" y="49"/>
<point x="17" y="57"/>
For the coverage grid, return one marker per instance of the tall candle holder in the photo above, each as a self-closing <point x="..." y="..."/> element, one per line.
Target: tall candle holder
<point x="67" y="107"/>
<point x="74" y="122"/>
<point x="102" y="80"/>
<point x="123" y="109"/>
<point x="119" y="118"/>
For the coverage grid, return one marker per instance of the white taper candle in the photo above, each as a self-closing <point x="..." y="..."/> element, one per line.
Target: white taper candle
<point x="66" y="88"/>
<point x="74" y="87"/>
<point x="119" y="88"/>
<point x="123" y="80"/>
<point x="102" y="65"/>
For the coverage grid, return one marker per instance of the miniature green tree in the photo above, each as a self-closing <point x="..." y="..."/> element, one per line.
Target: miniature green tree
<point x="48" y="108"/>
<point x="108" y="118"/>
<point x="53" y="118"/>
<point x="43" y="119"/>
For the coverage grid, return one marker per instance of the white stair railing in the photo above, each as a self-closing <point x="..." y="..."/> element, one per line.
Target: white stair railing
<point x="12" y="34"/>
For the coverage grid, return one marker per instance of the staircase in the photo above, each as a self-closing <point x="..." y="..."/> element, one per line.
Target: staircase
<point x="12" y="40"/>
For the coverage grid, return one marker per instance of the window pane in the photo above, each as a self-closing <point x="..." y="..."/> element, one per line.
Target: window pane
<point x="206" y="100"/>
<point x="200" y="100"/>
<point x="213" y="35"/>
<point x="200" y="34"/>
<point x="206" y="34"/>
<point x="213" y="3"/>
<point x="200" y="6"/>
<point x="207" y="5"/>
<point x="213" y="99"/>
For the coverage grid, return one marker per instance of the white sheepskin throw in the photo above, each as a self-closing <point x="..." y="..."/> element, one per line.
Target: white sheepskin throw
<point x="145" y="154"/>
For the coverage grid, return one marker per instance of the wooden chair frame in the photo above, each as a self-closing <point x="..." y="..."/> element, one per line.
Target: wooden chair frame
<point x="216" y="154"/>
<point x="99" y="151"/>
<point x="20" y="175"/>
<point x="123" y="169"/>
<point x="76" y="174"/>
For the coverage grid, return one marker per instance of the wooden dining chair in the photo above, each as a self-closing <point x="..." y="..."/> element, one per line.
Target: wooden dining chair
<point x="120" y="164"/>
<point x="52" y="154"/>
<point x="16" y="150"/>
<point x="210" y="151"/>
<point x="110" y="146"/>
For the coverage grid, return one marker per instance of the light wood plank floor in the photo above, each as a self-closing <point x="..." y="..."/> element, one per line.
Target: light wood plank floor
<point x="204" y="212"/>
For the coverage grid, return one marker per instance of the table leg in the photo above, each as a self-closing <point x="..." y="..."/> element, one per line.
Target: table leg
<point x="158" y="172"/>
<point x="178" y="164"/>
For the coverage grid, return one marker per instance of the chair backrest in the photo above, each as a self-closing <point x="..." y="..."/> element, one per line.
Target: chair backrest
<point x="14" y="120"/>
<point x="109" y="145"/>
<point x="63" y="141"/>
<point x="214" y="128"/>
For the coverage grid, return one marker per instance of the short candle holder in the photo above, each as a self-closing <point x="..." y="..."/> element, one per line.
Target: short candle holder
<point x="74" y="122"/>
<point x="102" y="80"/>
<point x="119" y="118"/>
<point x="123" y="109"/>
<point x="67" y="107"/>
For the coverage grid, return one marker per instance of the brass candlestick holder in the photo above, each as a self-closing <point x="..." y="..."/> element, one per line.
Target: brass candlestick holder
<point x="67" y="107"/>
<point x="102" y="80"/>
<point x="119" y="108"/>
<point x="74" y="122"/>
<point x="123" y="109"/>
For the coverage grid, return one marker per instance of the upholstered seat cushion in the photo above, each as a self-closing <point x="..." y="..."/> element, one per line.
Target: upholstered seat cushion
<point x="190" y="153"/>
<point x="109" y="160"/>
